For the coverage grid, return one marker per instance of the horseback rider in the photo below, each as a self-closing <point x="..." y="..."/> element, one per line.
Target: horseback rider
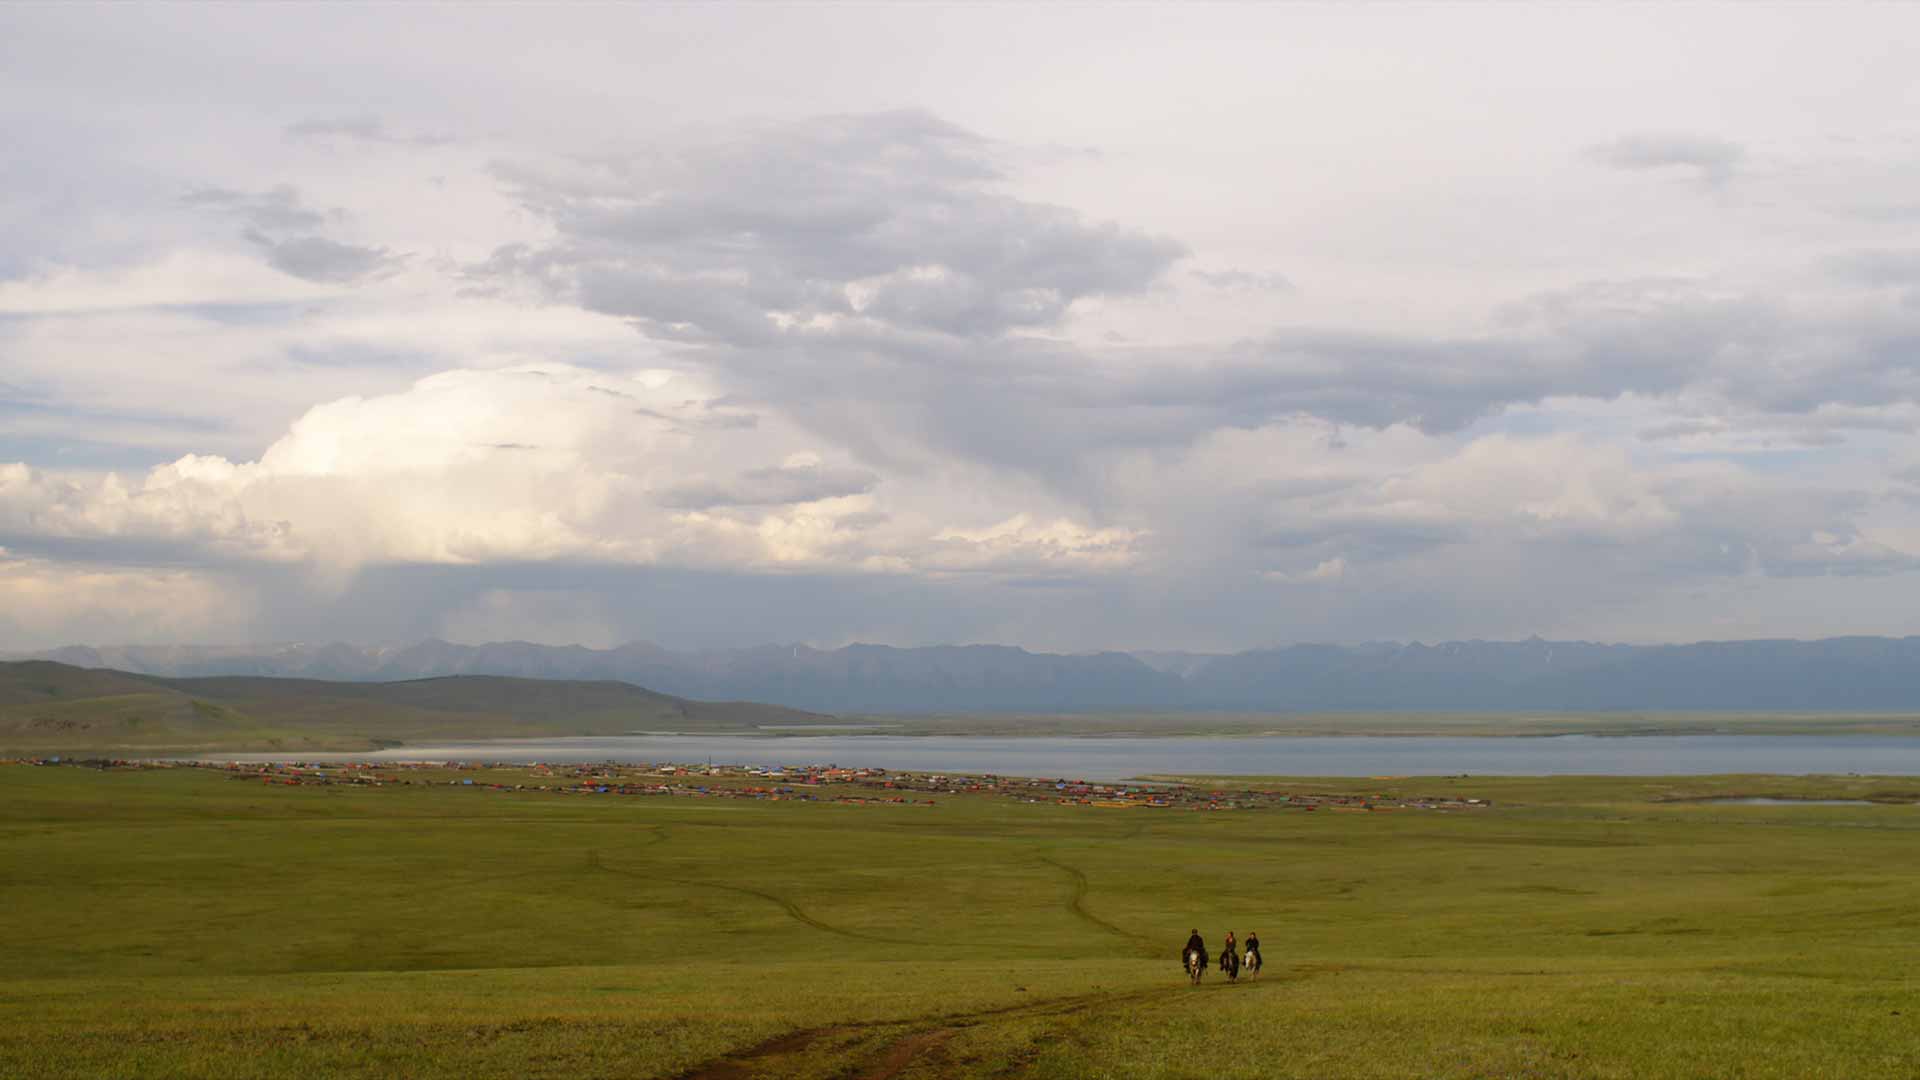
<point x="1228" y="950"/>
<point x="1194" y="942"/>
<point x="1253" y="949"/>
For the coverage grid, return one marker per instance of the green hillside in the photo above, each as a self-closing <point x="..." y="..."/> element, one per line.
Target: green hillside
<point x="31" y="682"/>
<point x="55" y="708"/>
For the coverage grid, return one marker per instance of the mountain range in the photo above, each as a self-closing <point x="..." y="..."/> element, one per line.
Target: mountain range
<point x="1850" y="673"/>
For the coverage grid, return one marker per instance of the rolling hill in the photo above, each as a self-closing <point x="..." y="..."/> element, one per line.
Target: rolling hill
<point x="48" y="707"/>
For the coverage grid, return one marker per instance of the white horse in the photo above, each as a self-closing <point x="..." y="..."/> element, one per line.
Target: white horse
<point x="1252" y="962"/>
<point x="1195" y="967"/>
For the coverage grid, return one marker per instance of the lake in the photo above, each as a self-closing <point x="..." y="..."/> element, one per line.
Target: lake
<point x="1120" y="758"/>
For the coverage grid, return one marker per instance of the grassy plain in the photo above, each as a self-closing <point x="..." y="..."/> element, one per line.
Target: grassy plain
<point x="180" y="923"/>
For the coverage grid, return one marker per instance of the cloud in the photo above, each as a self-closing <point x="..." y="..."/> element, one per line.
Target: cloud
<point x="1033" y="547"/>
<point x="1566" y="495"/>
<point x="47" y="602"/>
<point x="1711" y="159"/>
<point x="865" y="228"/>
<point x="364" y="127"/>
<point x="1324" y="571"/>
<point x="529" y="464"/>
<point x="317" y="259"/>
<point x="1246" y="281"/>
<point x="278" y="209"/>
<point x="1680" y="429"/>
<point x="876" y="255"/>
<point x="278" y="222"/>
<point x="1884" y="266"/>
<point x="1513" y="399"/>
<point x="800" y="481"/>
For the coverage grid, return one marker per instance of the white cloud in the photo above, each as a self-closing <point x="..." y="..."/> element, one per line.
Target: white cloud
<point x="179" y="278"/>
<point x="538" y="463"/>
<point x="1326" y="570"/>
<point x="1025" y="545"/>
<point x="44" y="602"/>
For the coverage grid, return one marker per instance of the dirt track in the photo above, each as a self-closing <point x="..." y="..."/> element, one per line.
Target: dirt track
<point x="793" y="910"/>
<point x="920" y="1040"/>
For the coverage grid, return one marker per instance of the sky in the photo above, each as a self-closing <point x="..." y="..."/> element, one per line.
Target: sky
<point x="1067" y="326"/>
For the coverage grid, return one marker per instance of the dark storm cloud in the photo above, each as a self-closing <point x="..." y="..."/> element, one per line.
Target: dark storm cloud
<point x="1712" y="159"/>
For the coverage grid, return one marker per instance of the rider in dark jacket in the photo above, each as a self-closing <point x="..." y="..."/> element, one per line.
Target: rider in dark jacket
<point x="1253" y="948"/>
<point x="1195" y="941"/>
<point x="1229" y="956"/>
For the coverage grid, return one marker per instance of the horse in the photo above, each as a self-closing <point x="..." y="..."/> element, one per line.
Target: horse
<point x="1252" y="962"/>
<point x="1195" y="967"/>
<point x="1230" y="963"/>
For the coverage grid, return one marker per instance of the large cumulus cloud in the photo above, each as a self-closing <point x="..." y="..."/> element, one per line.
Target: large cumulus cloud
<point x="546" y="462"/>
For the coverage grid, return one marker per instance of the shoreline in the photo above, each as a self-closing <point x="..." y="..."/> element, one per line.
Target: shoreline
<point x="1849" y="728"/>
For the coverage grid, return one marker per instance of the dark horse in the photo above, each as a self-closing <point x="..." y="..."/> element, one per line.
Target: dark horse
<point x="1230" y="963"/>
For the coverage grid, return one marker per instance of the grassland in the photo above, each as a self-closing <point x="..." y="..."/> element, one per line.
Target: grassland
<point x="181" y="923"/>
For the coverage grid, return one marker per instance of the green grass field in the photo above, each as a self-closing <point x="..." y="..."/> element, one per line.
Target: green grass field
<point x="181" y="923"/>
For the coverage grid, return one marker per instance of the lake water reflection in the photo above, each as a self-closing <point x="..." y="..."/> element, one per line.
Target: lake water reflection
<point x="1119" y="758"/>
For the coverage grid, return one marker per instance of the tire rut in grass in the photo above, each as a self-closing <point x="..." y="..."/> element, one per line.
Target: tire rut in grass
<point x="1025" y="1058"/>
<point x="894" y="1057"/>
<point x="903" y="1052"/>
<point x="740" y="1065"/>
<point x="1077" y="902"/>
<point x="793" y="910"/>
<point x="898" y="1054"/>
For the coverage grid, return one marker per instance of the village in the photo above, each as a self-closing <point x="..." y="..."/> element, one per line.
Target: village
<point x="798" y="783"/>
